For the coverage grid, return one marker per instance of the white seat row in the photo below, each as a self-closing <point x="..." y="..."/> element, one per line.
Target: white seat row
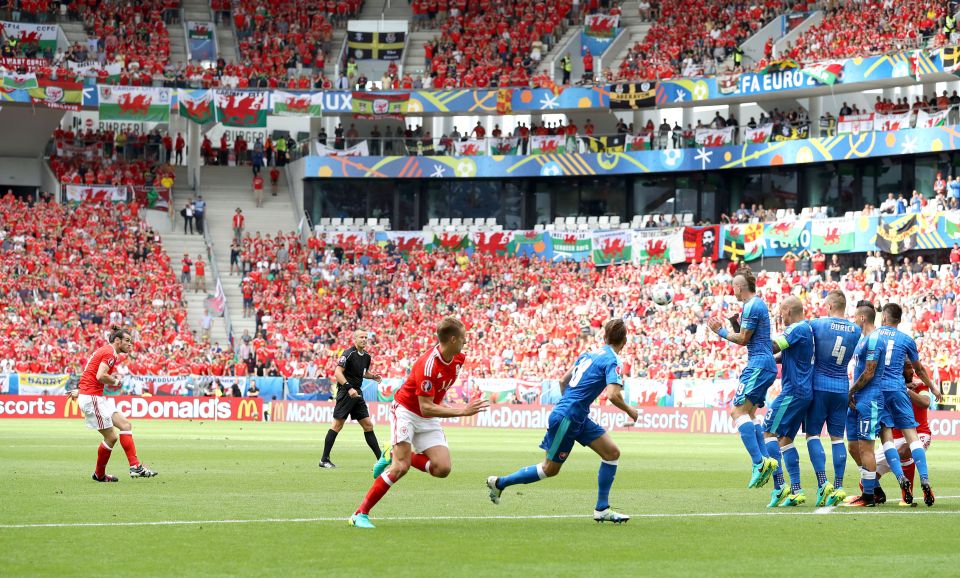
<point x="457" y="222"/>
<point x="357" y="223"/>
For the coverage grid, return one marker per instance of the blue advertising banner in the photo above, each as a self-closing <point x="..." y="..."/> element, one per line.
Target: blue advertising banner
<point x="318" y="389"/>
<point x="793" y="152"/>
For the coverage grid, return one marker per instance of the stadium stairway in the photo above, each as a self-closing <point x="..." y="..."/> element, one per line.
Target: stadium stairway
<point x="178" y="44"/>
<point x="225" y="189"/>
<point x="176" y="243"/>
<point x="415" y="59"/>
<point x="74" y="31"/>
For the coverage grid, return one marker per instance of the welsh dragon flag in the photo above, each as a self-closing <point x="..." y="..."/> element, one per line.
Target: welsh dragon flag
<point x="241" y="108"/>
<point x="297" y="104"/>
<point x="20" y="81"/>
<point x="196" y="105"/>
<point x="831" y="236"/>
<point x="134" y="103"/>
<point x="610" y="247"/>
<point x="824" y="73"/>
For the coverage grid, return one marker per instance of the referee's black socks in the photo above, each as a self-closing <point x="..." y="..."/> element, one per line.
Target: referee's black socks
<point x="328" y="444"/>
<point x="371" y="438"/>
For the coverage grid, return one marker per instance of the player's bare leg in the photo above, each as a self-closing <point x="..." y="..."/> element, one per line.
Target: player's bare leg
<point x="104" y="451"/>
<point x="399" y="467"/>
<point x="609" y="454"/>
<point x="137" y="469"/>
<point x="434" y="461"/>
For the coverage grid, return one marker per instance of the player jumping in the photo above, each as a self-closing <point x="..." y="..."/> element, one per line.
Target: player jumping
<point x="757" y="376"/>
<point x="786" y="413"/>
<point x="569" y="422"/>
<point x="101" y="412"/>
<point x="415" y="418"/>
<point x="835" y="339"/>
<point x="921" y="398"/>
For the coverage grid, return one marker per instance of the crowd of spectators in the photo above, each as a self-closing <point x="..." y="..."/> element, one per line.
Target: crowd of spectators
<point x="107" y="157"/>
<point x="529" y="318"/>
<point x="870" y="27"/>
<point x="71" y="273"/>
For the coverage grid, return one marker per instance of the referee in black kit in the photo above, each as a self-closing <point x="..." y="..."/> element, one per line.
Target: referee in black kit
<point x="352" y="368"/>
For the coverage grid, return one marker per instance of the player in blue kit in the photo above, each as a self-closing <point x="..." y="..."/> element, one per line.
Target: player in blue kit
<point x="893" y="348"/>
<point x="787" y="412"/>
<point x="757" y="376"/>
<point x="569" y="422"/>
<point x="865" y="404"/>
<point x="835" y="339"/>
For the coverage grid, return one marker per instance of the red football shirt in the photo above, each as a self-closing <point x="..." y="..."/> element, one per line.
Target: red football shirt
<point x="430" y="375"/>
<point x="88" y="380"/>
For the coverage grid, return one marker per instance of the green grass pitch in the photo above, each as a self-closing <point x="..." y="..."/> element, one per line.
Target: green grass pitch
<point x="248" y="499"/>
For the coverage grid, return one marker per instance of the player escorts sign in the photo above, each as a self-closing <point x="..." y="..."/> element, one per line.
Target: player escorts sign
<point x="205" y="408"/>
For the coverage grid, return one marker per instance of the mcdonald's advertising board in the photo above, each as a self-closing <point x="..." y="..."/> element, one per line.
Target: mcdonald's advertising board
<point x="203" y="408"/>
<point x="944" y="424"/>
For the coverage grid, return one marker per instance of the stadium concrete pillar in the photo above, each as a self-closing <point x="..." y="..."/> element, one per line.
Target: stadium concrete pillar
<point x="193" y="153"/>
<point x="688" y="116"/>
<point x="814" y="110"/>
<point x="316" y="123"/>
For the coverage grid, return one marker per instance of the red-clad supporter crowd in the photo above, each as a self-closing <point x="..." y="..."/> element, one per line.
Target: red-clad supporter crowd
<point x="530" y="318"/>
<point x="71" y="273"/>
<point x="485" y="43"/>
<point x="132" y="34"/>
<point x="76" y="271"/>
<point x="870" y="27"/>
<point x="112" y="158"/>
<point x="677" y="44"/>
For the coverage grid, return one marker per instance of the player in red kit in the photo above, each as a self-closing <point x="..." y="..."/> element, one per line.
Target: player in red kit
<point x="922" y="398"/>
<point x="415" y="418"/>
<point x="100" y="411"/>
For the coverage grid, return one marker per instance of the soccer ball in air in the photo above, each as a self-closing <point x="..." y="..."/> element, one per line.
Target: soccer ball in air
<point x="661" y="295"/>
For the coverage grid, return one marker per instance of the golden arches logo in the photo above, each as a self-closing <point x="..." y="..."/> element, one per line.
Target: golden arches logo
<point x="278" y="411"/>
<point x="247" y="408"/>
<point x="72" y="408"/>
<point x="698" y="422"/>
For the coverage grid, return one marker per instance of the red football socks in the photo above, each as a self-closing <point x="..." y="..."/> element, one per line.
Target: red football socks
<point x="126" y="442"/>
<point x="379" y="489"/>
<point x="103" y="456"/>
<point x="420" y="462"/>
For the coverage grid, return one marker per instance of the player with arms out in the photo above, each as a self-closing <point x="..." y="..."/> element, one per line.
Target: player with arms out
<point x="894" y="347"/>
<point x="786" y="413"/>
<point x="757" y="376"/>
<point x="922" y="399"/>
<point x="835" y="339"/>
<point x="352" y="368"/>
<point x="100" y="411"/>
<point x="569" y="422"/>
<point x="416" y="436"/>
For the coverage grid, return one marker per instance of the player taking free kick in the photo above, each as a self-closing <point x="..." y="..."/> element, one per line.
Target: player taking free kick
<point x="415" y="418"/>
<point x="570" y="422"/>
<point x="100" y="411"/>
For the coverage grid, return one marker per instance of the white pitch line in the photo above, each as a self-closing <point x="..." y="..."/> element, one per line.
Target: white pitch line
<point x="790" y="512"/>
<point x="824" y="510"/>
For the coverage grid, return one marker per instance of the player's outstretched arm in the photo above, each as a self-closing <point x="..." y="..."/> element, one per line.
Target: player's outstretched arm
<point x="921" y="372"/>
<point x="565" y="381"/>
<point x="430" y="409"/>
<point x="615" y="395"/>
<point x="920" y="399"/>
<point x="740" y="337"/>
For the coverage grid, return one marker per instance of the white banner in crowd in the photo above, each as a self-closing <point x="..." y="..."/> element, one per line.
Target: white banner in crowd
<point x="928" y="120"/>
<point x="96" y="193"/>
<point x="357" y="150"/>
<point x="712" y="137"/>
<point x="891" y="121"/>
<point x="758" y="135"/>
<point x="855" y="123"/>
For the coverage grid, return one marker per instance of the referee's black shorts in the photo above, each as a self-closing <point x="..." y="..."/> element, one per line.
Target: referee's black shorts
<point x="353" y="407"/>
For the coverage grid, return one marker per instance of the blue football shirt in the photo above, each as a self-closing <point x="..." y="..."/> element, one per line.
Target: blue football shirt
<point x="893" y="348"/>
<point x="592" y="372"/>
<point x="796" y="359"/>
<point x="755" y="316"/>
<point x="835" y="340"/>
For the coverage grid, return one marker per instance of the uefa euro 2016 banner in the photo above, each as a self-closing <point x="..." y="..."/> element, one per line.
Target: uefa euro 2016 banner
<point x="944" y="425"/>
<point x="747" y="242"/>
<point x="202" y="408"/>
